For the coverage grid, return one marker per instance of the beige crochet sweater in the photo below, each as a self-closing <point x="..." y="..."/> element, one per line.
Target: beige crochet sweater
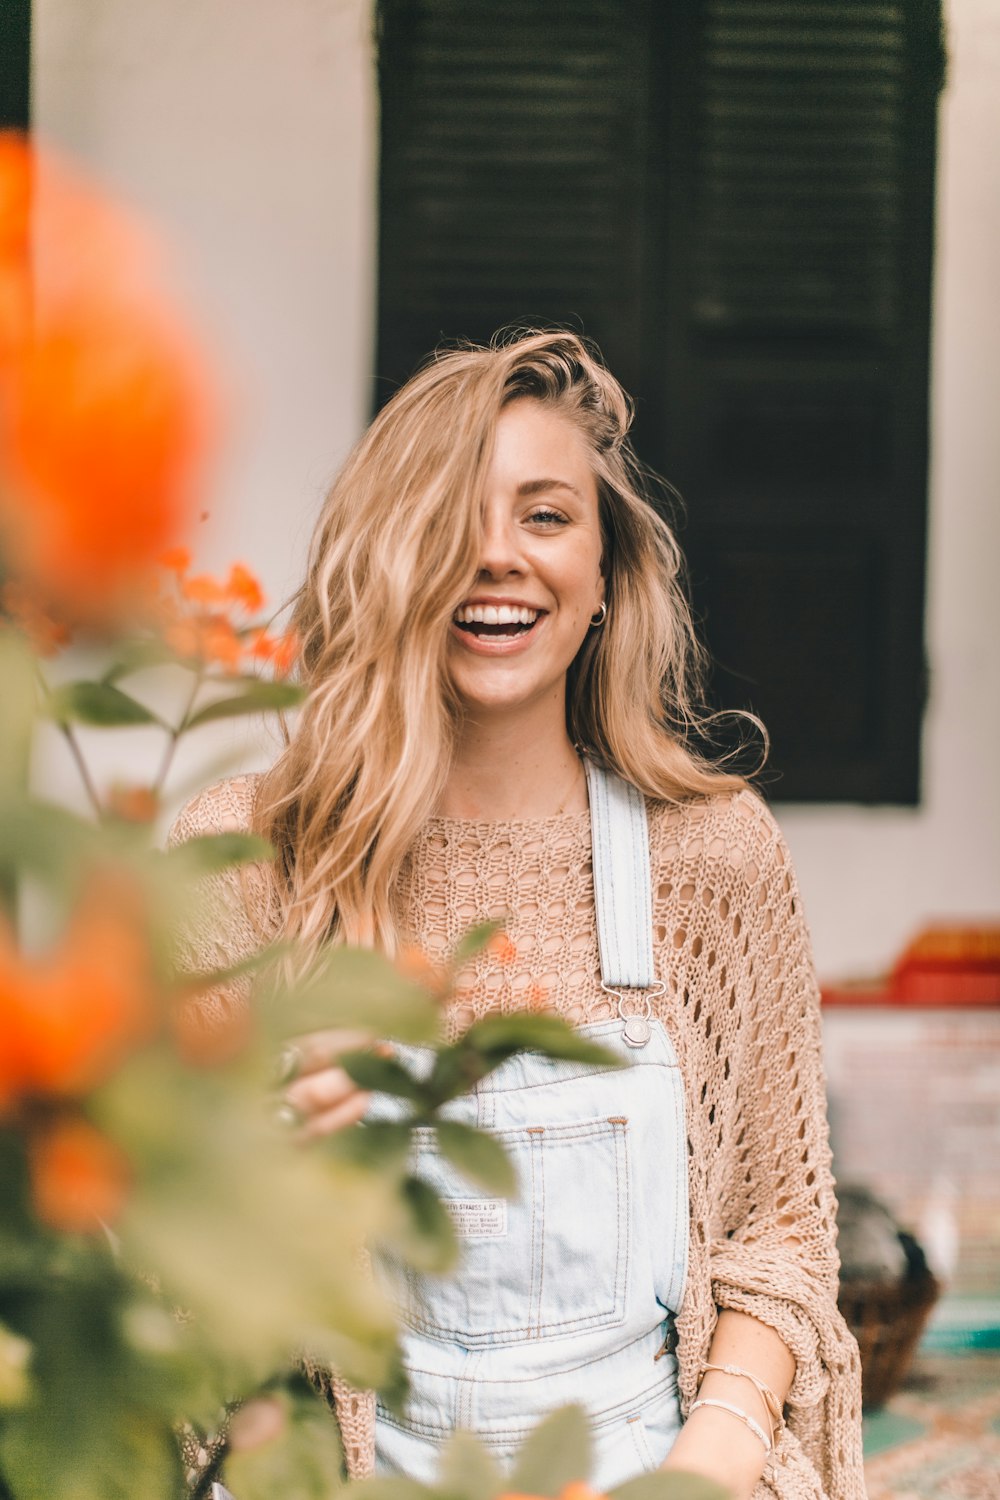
<point x="742" y="1008"/>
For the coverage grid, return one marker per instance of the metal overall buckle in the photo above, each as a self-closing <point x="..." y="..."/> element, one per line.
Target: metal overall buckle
<point x="637" y="1028"/>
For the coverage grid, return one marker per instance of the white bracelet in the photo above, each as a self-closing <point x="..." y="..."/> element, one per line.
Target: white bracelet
<point x="771" y="1403"/>
<point x="736" y="1411"/>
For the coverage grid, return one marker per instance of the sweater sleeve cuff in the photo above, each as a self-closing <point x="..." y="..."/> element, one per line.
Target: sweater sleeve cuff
<point x="812" y="1380"/>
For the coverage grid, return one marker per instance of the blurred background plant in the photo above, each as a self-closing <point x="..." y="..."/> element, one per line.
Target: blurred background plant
<point x="164" y="1246"/>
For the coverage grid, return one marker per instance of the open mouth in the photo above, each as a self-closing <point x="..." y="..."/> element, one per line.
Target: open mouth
<point x="495" y="621"/>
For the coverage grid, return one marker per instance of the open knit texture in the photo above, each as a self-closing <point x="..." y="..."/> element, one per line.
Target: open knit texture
<point x="742" y="1008"/>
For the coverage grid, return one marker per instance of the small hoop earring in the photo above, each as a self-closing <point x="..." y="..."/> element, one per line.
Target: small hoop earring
<point x="601" y="616"/>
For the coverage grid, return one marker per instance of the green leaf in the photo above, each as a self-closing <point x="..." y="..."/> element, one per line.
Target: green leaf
<point x="19" y="694"/>
<point x="98" y="1443"/>
<point x="384" y="1488"/>
<point x="357" y="987"/>
<point x="257" y="1237"/>
<point x="41" y="837"/>
<point x="501" y="1036"/>
<point x="302" y="1459"/>
<point x="478" y="1155"/>
<point x="210" y="979"/>
<point x="138" y="656"/>
<point x="670" y="1485"/>
<point x="556" y="1453"/>
<point x="209" y="853"/>
<point x="473" y="942"/>
<point x="382" y="1075"/>
<point x="382" y="1146"/>
<point x="467" y="1471"/>
<point x="100" y="704"/>
<point x="394" y="1391"/>
<point x="455" y="1071"/>
<point x="255" y="698"/>
<point x="428" y="1239"/>
<point x="15" y="1358"/>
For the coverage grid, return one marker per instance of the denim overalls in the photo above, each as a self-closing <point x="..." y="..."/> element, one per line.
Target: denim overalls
<point x="566" y="1292"/>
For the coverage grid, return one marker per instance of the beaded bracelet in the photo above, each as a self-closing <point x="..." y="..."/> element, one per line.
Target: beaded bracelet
<point x="736" y="1411"/>
<point x="765" y="1393"/>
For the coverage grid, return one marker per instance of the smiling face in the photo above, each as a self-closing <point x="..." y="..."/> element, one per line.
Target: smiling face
<point x="539" y="582"/>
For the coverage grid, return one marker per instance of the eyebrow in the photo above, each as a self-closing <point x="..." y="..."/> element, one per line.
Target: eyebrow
<point x="539" y="486"/>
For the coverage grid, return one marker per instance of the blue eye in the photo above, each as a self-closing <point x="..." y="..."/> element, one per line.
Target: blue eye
<point x="547" y="517"/>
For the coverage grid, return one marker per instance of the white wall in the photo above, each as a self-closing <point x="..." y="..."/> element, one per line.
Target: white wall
<point x="246" y="130"/>
<point x="249" y="131"/>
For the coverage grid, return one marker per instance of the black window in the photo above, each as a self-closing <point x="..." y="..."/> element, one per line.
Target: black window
<point x="734" y="198"/>
<point x="15" y="64"/>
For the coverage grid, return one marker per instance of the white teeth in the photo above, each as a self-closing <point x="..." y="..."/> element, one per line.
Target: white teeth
<point x="495" y="614"/>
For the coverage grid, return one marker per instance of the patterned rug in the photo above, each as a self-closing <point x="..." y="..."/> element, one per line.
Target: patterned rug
<point x="939" y="1437"/>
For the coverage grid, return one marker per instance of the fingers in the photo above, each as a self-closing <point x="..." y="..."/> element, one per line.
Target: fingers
<point x="325" y="1122"/>
<point x="318" y="1096"/>
<point x="314" y="1092"/>
<point x="314" y="1052"/>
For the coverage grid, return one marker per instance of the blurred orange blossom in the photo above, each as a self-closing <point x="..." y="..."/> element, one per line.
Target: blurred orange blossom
<point x="68" y="1018"/>
<point x="576" y="1489"/>
<point x="79" y="1178"/>
<point x="197" y="618"/>
<point x="106" y="410"/>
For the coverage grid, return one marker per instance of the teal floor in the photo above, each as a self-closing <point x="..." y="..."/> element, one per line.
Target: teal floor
<point x="939" y="1436"/>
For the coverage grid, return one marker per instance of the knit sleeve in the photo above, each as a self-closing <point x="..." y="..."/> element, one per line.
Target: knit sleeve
<point x="773" y="1254"/>
<point x="229" y="918"/>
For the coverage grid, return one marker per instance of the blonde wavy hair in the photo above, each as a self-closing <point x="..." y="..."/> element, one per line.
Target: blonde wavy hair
<point x="395" y="551"/>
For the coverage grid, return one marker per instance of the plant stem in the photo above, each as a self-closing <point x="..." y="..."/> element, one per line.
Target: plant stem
<point x="93" y="795"/>
<point x="175" y="733"/>
<point x="66" y="730"/>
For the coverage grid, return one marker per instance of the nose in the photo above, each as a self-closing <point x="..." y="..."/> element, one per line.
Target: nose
<point x="500" y="549"/>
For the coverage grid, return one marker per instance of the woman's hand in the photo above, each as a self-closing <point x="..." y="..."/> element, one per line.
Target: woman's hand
<point x="317" y="1097"/>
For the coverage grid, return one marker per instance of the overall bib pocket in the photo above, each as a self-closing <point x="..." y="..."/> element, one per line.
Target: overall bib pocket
<point x="522" y="1275"/>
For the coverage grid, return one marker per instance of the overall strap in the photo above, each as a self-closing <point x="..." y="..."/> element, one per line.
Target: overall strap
<point x="622" y="884"/>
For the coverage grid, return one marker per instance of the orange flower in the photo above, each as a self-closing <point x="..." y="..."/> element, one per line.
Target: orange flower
<point x="16" y="185"/>
<point x="414" y="964"/>
<point x="203" y="590"/>
<point x="537" y="999"/>
<point x="105" y="412"/>
<point x="502" y="949"/>
<point x="177" y="559"/>
<point x="244" y="589"/>
<point x="211" y="1044"/>
<point x="196" y="624"/>
<point x="46" y="634"/>
<point x="133" y="804"/>
<point x="68" y="1018"/>
<point x="279" y="650"/>
<point x="577" y="1489"/>
<point x="79" y="1178"/>
<point x="206" y="638"/>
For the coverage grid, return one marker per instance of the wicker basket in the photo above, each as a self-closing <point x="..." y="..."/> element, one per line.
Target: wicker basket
<point x="887" y="1319"/>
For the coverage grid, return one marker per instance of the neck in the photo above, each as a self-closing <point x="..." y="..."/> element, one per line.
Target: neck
<point x="513" y="767"/>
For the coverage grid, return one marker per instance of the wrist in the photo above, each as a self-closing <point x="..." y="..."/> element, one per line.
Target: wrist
<point x="718" y="1446"/>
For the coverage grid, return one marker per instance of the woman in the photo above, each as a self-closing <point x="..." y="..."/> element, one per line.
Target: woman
<point x="500" y="667"/>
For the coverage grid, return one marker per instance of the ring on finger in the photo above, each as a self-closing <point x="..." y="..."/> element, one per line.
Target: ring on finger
<point x="287" y="1115"/>
<point x="288" y="1063"/>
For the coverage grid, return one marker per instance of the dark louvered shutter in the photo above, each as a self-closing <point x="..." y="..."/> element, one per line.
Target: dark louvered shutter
<point x="734" y="197"/>
<point x="790" y="400"/>
<point x="15" y="64"/>
<point x="513" y="176"/>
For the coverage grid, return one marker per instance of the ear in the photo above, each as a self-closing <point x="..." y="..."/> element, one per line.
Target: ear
<point x="602" y="588"/>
